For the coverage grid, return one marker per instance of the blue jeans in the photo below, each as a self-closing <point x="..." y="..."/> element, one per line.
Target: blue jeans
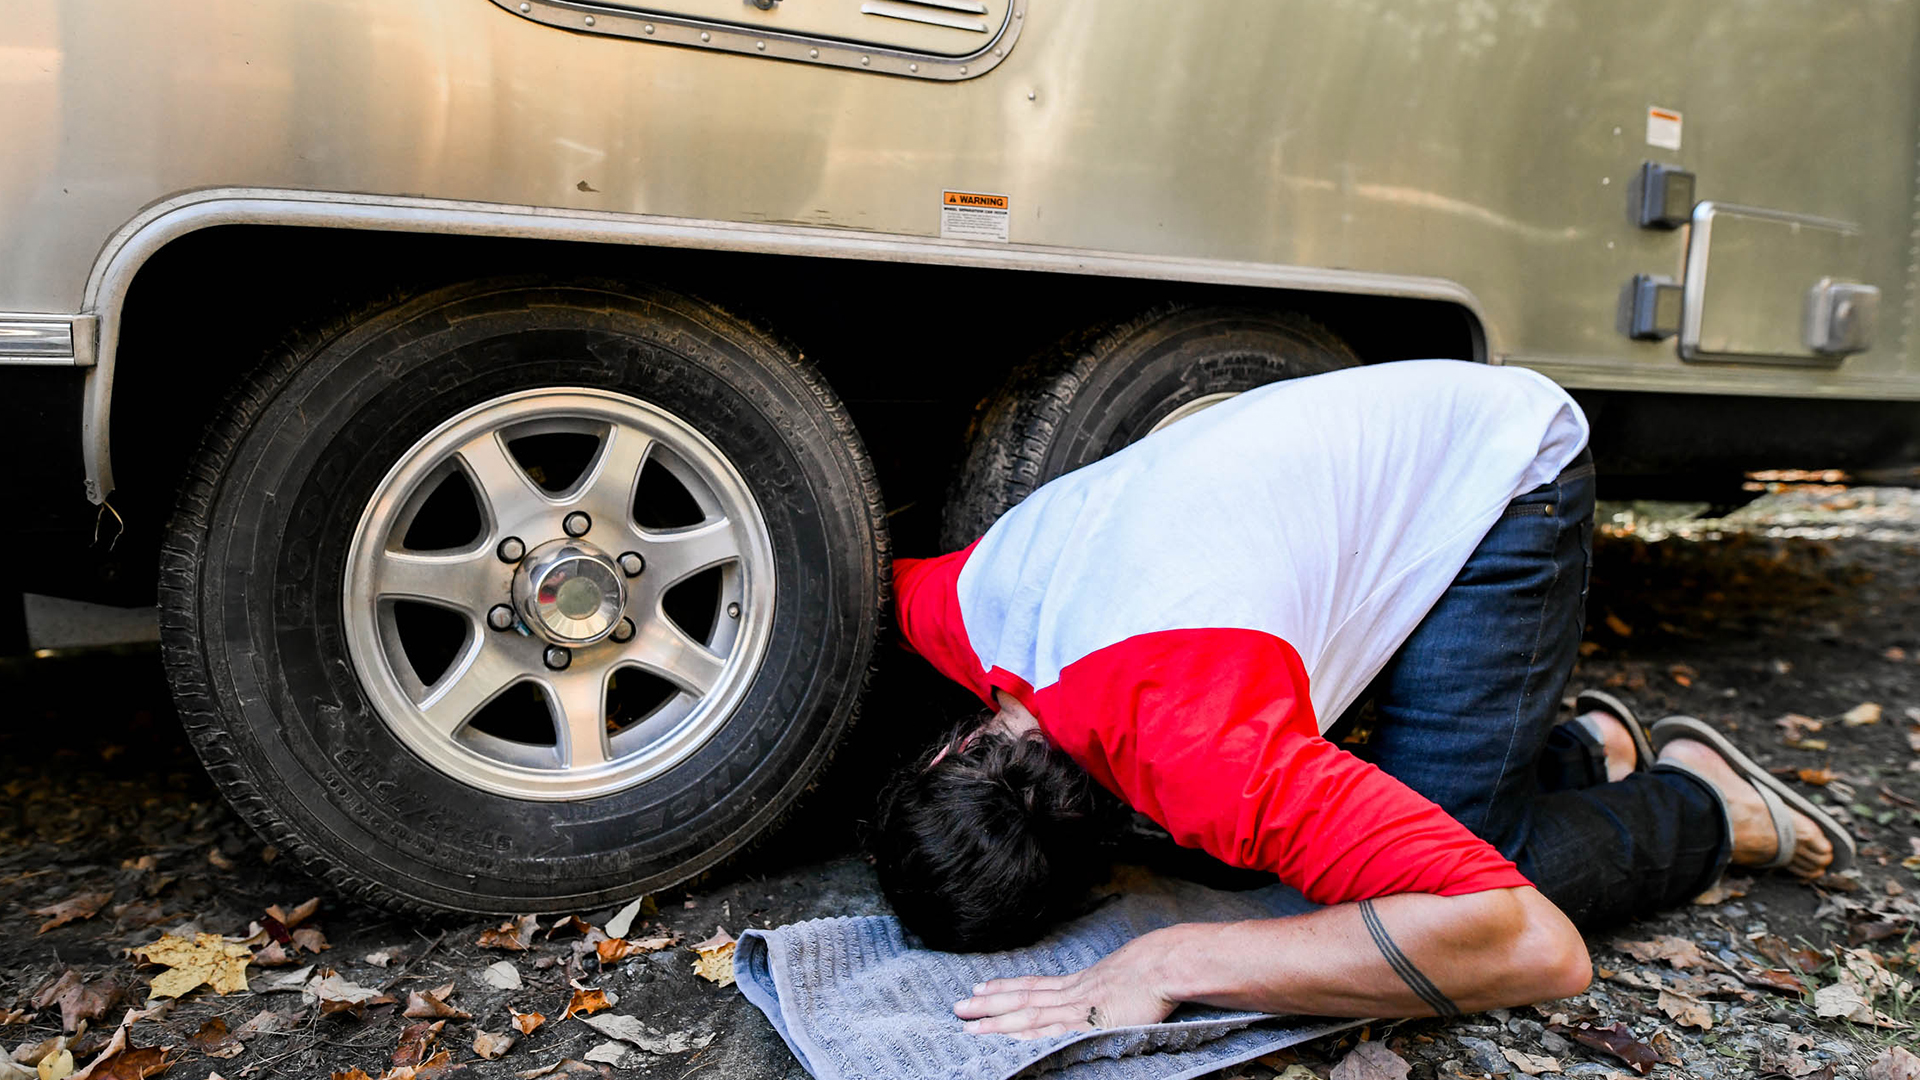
<point x="1466" y="714"/>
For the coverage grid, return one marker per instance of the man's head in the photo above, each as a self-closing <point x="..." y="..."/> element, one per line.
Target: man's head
<point x="989" y="839"/>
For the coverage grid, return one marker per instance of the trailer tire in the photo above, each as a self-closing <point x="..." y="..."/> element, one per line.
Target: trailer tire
<point x="1106" y="387"/>
<point x="260" y="611"/>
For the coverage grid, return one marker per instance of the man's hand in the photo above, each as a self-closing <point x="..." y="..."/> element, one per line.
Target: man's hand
<point x="1119" y="991"/>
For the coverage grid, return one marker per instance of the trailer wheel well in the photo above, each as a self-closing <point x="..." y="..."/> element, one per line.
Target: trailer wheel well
<point x="912" y="348"/>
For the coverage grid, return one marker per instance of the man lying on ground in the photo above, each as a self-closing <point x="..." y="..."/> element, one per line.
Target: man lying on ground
<point x="1183" y="621"/>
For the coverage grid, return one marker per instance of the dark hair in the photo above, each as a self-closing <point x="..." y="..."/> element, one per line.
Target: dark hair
<point x="993" y="844"/>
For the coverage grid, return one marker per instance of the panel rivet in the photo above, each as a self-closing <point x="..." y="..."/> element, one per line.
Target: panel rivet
<point x="963" y="70"/>
<point x="577" y="523"/>
<point x="631" y="564"/>
<point x="761" y="45"/>
<point x="524" y="8"/>
<point x="704" y="36"/>
<point x="1018" y="14"/>
<point x="500" y="617"/>
<point x="557" y="657"/>
<point x="865" y="60"/>
<point x="1031" y="95"/>
<point x="511" y="550"/>
<point x="624" y="632"/>
<point x="813" y="54"/>
<point x="733" y="611"/>
<point x="589" y="20"/>
<point x="1001" y="51"/>
<point x="913" y="67"/>
<point x="648" y="27"/>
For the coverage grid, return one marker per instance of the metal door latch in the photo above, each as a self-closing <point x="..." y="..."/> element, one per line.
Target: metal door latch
<point x="1840" y="317"/>
<point x="763" y="5"/>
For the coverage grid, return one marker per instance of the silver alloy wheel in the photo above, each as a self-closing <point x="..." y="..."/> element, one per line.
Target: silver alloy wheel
<point x="588" y="756"/>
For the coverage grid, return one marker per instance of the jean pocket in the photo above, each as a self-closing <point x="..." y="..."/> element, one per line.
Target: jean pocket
<point x="1527" y="509"/>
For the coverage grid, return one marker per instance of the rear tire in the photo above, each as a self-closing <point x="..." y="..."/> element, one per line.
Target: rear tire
<point x="266" y="646"/>
<point x="1107" y="387"/>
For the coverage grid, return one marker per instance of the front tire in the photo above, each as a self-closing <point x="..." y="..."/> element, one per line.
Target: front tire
<point x="372" y="501"/>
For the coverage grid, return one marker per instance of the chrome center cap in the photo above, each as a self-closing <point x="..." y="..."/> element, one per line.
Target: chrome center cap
<point x="569" y="592"/>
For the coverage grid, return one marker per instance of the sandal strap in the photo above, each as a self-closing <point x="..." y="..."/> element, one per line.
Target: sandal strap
<point x="1783" y="830"/>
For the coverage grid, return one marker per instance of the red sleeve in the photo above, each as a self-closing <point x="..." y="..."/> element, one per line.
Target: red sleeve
<point x="927" y="610"/>
<point x="1211" y="733"/>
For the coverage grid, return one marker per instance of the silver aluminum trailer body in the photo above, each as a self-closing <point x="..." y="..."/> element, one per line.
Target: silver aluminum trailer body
<point x="1704" y="218"/>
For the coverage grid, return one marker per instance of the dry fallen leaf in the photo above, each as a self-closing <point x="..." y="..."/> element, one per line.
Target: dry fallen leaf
<point x="716" y="958"/>
<point x="78" y="999"/>
<point x="1895" y="1063"/>
<point x="265" y="1022"/>
<point x="1613" y="1039"/>
<point x="336" y="994"/>
<point x="622" y="922"/>
<point x="1795" y="726"/>
<point x="208" y="959"/>
<point x="1862" y="714"/>
<point x="1683" y="674"/>
<point x="415" y="1041"/>
<point x="1531" y="1064"/>
<point x="629" y="1029"/>
<point x="381" y="958"/>
<point x="1371" y="1061"/>
<point x="1843" y="1000"/>
<point x="215" y="1041"/>
<point x="433" y="1004"/>
<point x="1618" y="625"/>
<point x="310" y="940"/>
<point x="1817" y="777"/>
<point x="1783" y="981"/>
<point x="569" y="924"/>
<point x="72" y="909"/>
<point x="490" y="1046"/>
<point x="1723" y="890"/>
<point x="616" y="949"/>
<point x="514" y="935"/>
<point x="57" y="1065"/>
<point x="298" y="915"/>
<point x="526" y="1022"/>
<point x="585" y="1003"/>
<point x="501" y="976"/>
<point x="1685" y="1010"/>
<point x="1679" y="952"/>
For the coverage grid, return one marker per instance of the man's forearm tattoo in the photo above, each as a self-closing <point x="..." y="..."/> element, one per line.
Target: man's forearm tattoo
<point x="1416" y="981"/>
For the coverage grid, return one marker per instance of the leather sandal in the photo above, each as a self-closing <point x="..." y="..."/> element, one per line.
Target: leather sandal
<point x="1587" y="701"/>
<point x="1778" y="798"/>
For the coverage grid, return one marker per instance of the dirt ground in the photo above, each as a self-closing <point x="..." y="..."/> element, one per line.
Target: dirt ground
<point x="1806" y="604"/>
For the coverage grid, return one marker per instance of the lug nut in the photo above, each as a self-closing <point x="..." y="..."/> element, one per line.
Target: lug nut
<point x="557" y="658"/>
<point x="511" y="550"/>
<point x="577" y="523"/>
<point x="733" y="611"/>
<point x="623" y="632"/>
<point x="500" y="617"/>
<point x="632" y="563"/>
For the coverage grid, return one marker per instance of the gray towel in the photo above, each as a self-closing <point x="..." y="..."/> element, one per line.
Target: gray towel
<point x="855" y="1000"/>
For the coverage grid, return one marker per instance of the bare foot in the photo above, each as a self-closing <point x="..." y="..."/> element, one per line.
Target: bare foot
<point x="1754" y="841"/>
<point x="1614" y="739"/>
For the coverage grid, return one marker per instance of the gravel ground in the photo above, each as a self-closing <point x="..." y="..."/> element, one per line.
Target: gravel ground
<point x="1806" y="604"/>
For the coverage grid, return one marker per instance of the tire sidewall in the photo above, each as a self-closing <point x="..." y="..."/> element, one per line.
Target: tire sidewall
<point x="293" y="491"/>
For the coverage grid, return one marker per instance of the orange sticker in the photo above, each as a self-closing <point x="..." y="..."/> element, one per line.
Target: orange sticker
<point x="974" y="215"/>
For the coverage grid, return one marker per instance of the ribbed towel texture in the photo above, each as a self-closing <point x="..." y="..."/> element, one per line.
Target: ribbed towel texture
<point x="855" y="999"/>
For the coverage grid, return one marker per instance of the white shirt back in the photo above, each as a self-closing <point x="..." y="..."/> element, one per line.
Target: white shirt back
<point x="1330" y="511"/>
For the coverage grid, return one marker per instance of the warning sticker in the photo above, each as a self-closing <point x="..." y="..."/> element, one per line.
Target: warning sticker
<point x="1663" y="128"/>
<point x="973" y="215"/>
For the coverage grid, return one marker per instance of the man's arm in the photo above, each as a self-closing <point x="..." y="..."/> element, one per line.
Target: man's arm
<point x="1405" y="955"/>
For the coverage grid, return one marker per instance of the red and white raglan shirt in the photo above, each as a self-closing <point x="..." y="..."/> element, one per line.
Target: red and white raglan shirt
<point x="1187" y="616"/>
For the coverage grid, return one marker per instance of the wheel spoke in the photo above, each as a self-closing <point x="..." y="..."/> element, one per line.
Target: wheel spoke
<point x="673" y="556"/>
<point x="579" y="704"/>
<point x="473" y="681"/>
<point x="458" y="580"/>
<point x="607" y="487"/>
<point x="510" y="494"/>
<point x="665" y="650"/>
